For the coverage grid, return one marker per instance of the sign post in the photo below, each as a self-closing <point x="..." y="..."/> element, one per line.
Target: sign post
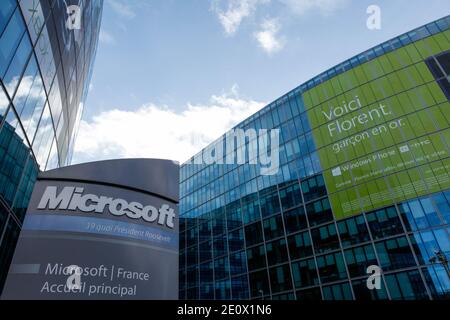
<point x="103" y="230"/>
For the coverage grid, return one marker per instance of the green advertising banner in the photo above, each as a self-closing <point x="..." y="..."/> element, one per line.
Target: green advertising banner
<point x="382" y="130"/>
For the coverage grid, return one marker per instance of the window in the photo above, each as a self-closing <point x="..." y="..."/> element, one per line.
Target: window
<point x="325" y="238"/>
<point x="44" y="137"/>
<point x="305" y="122"/>
<point x="182" y="279"/>
<point x="284" y="296"/>
<point x="290" y="196"/>
<point x="221" y="268"/>
<point x="206" y="273"/>
<point x="295" y="220"/>
<point x="275" y="116"/>
<point x="292" y="151"/>
<point x="309" y="169"/>
<point x="223" y="290"/>
<point x="6" y="9"/>
<point x="192" y="256"/>
<point x="276" y="252"/>
<point x="437" y="280"/>
<point x="192" y="293"/>
<point x="288" y="131"/>
<point x="319" y="212"/>
<point x="305" y="274"/>
<point x="218" y="224"/>
<point x="331" y="267"/>
<point x="419" y="214"/>
<point x="15" y="151"/>
<point x="192" y="277"/>
<point x="337" y="292"/>
<point x="269" y="202"/>
<point x="31" y="105"/>
<point x="353" y="231"/>
<point x="303" y="146"/>
<point x="273" y="228"/>
<point x="250" y="211"/>
<point x="192" y="236"/>
<point x="443" y="25"/>
<point x="309" y="294"/>
<point x="406" y="286"/>
<point x="10" y="39"/>
<point x="47" y="61"/>
<point x="442" y="201"/>
<point x="384" y="223"/>
<point x="259" y="284"/>
<point x="300" y="246"/>
<point x="440" y="68"/>
<point x="206" y="291"/>
<point x="395" y="254"/>
<point x="205" y="251"/>
<point x="236" y="240"/>
<point x="238" y="263"/>
<point x="362" y="293"/>
<point x="256" y="258"/>
<point x="314" y="188"/>
<point x="234" y="216"/>
<point x="182" y="260"/>
<point x="310" y="142"/>
<point x="427" y="243"/>
<point x="17" y="64"/>
<point x="280" y="278"/>
<point x="253" y="234"/>
<point x="359" y="259"/>
<point x="239" y="288"/>
<point x="4" y="103"/>
<point x="296" y="103"/>
<point x="220" y="246"/>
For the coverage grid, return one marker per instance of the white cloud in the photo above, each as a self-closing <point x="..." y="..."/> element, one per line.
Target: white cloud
<point x="122" y="9"/>
<point x="231" y="13"/>
<point x="236" y="11"/>
<point x="154" y="131"/>
<point x="30" y="92"/>
<point x="4" y="102"/>
<point x="301" y="7"/>
<point x="29" y="89"/>
<point x="106" y="37"/>
<point x="268" y="38"/>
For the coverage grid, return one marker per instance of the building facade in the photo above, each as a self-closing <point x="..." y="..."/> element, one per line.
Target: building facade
<point x="363" y="180"/>
<point x="47" y="50"/>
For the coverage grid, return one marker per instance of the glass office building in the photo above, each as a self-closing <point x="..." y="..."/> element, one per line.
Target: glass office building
<point x="363" y="179"/>
<point x="45" y="68"/>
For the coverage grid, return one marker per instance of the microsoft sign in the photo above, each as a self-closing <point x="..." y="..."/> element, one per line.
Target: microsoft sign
<point x="102" y="230"/>
<point x="72" y="199"/>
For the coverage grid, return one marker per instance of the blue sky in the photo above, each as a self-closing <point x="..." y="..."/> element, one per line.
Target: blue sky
<point x="173" y="75"/>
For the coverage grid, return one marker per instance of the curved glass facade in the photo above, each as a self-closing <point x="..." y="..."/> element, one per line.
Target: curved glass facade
<point x="364" y="180"/>
<point x="45" y="70"/>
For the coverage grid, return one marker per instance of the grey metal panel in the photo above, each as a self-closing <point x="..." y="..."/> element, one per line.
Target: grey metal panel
<point x="134" y="253"/>
<point x="149" y="175"/>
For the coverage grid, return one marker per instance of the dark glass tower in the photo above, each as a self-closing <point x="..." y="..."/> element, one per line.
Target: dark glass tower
<point x="363" y="179"/>
<point x="46" y="61"/>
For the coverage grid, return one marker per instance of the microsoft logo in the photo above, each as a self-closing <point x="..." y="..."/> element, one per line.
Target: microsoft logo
<point x="336" y="172"/>
<point x="404" y="149"/>
<point x="73" y="198"/>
